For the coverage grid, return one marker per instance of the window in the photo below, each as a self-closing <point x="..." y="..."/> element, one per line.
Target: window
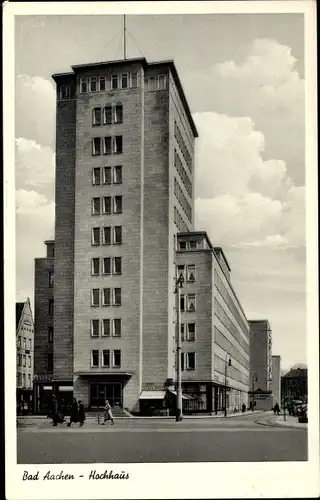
<point x="112" y="175"/>
<point x="107" y="115"/>
<point x="96" y="116"/>
<point x="106" y="297"/>
<point x="50" y="334"/>
<point x="117" y="206"/>
<point x="162" y="82"/>
<point x="116" y="361"/>
<point x="106" y="358"/>
<point x="24" y="343"/>
<point x="117" y="146"/>
<point x="29" y="380"/>
<point x="182" y="245"/>
<point x="117" y="327"/>
<point x="182" y="361"/>
<point x="95" y="236"/>
<point x="95" y="328"/>
<point x="106" y="331"/>
<point x="182" y="330"/>
<point x="50" y="361"/>
<point x="19" y="342"/>
<point x="191" y="302"/>
<point x="106" y="265"/>
<point x="93" y="84"/>
<point x="117" y="267"/>
<point x="193" y="245"/>
<point x="114" y="82"/>
<point x="96" y="206"/>
<point x="191" y="332"/>
<point x="95" y="266"/>
<point x="182" y="303"/>
<point x="191" y="361"/>
<point x="94" y="358"/>
<point x="152" y="84"/>
<point x="107" y="235"/>
<point x="23" y="380"/>
<point x="117" y="175"/>
<point x="117" y="297"/>
<point x="107" y="205"/>
<point x="96" y="176"/>
<point x="51" y="307"/>
<point x="124" y="81"/>
<point x="191" y="273"/>
<point x="134" y="80"/>
<point x="107" y="146"/>
<point x="102" y="83"/>
<point x="181" y="270"/>
<point x="117" y="235"/>
<point x="96" y="146"/>
<point x="83" y="85"/>
<point x="65" y="92"/>
<point x="95" y="297"/>
<point x="107" y="175"/>
<point x="19" y="359"/>
<point x="19" y="376"/>
<point x="29" y="361"/>
<point x="51" y="279"/>
<point x="118" y="113"/>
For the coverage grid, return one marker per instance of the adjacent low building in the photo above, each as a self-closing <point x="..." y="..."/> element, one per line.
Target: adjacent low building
<point x="25" y="351"/>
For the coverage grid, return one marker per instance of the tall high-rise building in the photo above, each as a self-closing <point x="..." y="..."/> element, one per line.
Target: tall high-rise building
<point x="276" y="380"/>
<point x="261" y="363"/>
<point x="124" y="187"/>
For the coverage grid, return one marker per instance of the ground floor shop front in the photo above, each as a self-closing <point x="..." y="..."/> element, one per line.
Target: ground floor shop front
<point x="122" y="392"/>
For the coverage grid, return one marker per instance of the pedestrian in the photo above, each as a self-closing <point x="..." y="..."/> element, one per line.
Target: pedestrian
<point x="243" y="408"/>
<point x="82" y="415"/>
<point x="74" y="417"/>
<point x="108" y="413"/>
<point x="53" y="413"/>
<point x="276" y="409"/>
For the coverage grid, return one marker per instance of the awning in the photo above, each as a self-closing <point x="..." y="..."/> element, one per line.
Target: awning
<point x="152" y="394"/>
<point x="183" y="395"/>
<point x="114" y="374"/>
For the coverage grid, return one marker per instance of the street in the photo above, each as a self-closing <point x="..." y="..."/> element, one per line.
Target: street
<point x="238" y="439"/>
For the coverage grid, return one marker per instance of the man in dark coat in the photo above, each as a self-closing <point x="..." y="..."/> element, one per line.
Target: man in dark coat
<point x="54" y="411"/>
<point x="74" y="417"/>
<point x="82" y="415"/>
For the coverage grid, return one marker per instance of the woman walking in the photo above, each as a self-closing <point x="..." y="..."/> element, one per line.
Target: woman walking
<point x="108" y="413"/>
<point x="82" y="415"/>
<point x="74" y="417"/>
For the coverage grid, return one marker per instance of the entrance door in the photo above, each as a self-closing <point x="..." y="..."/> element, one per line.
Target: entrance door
<point x="101" y="391"/>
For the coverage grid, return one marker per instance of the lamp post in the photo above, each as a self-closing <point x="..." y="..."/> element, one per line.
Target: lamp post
<point x="254" y="379"/>
<point x="179" y="285"/>
<point x="227" y="363"/>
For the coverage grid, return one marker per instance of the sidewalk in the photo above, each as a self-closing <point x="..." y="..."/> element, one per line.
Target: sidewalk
<point x="34" y="419"/>
<point x="290" y="422"/>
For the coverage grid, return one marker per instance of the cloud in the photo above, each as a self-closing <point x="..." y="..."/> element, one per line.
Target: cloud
<point x="266" y="87"/>
<point x="35" y="109"/>
<point x="34" y="166"/>
<point x="34" y="224"/>
<point x="242" y="199"/>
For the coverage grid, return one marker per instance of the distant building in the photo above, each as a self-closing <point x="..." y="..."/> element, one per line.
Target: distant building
<point x="261" y="363"/>
<point x="294" y="385"/>
<point x="276" y="380"/>
<point x="24" y="343"/>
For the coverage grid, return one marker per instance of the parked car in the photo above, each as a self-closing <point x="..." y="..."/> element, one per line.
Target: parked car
<point x="303" y="414"/>
<point x="293" y="406"/>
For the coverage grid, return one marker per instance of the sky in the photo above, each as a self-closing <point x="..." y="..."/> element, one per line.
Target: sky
<point x="243" y="75"/>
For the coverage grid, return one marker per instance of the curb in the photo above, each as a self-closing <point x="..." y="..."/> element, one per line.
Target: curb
<point x="276" y="424"/>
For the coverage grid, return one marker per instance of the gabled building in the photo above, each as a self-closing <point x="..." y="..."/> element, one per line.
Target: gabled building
<point x="25" y="351"/>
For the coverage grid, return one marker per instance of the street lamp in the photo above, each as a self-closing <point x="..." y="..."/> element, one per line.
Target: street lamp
<point x="179" y="285"/>
<point x="227" y="363"/>
<point x="254" y="379"/>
